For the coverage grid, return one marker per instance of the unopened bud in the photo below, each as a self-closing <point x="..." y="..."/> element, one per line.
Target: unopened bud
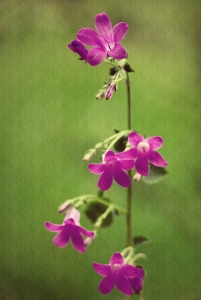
<point x="100" y="95"/>
<point x="137" y="177"/>
<point x="110" y="91"/>
<point x="89" y="154"/>
<point x="64" y="206"/>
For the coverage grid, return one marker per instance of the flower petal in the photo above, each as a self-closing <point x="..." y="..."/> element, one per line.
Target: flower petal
<point x="122" y="178"/>
<point x="77" y="241"/>
<point x="61" y="239"/>
<point x="101" y="269"/>
<point x="127" y="164"/>
<point x="116" y="258"/>
<point x="103" y="26"/>
<point x="77" y="47"/>
<point x="129" y="271"/>
<point x="86" y="232"/>
<point x="96" y="168"/>
<point x="155" y="142"/>
<point x="96" y="56"/>
<point x="109" y="155"/>
<point x="142" y="165"/>
<point x="128" y="154"/>
<point x="105" y="180"/>
<point x="118" y="52"/>
<point x="88" y="36"/>
<point x="136" y="282"/>
<point x="119" y="31"/>
<point x="74" y="214"/>
<point x="53" y="227"/>
<point x="106" y="285"/>
<point x="124" y="285"/>
<point x="135" y="138"/>
<point x="157" y="159"/>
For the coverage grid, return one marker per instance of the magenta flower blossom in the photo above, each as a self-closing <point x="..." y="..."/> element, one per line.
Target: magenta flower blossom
<point x="112" y="167"/>
<point x="70" y="229"/>
<point x="127" y="278"/>
<point x="77" y="47"/>
<point x="104" y="42"/>
<point x="143" y="152"/>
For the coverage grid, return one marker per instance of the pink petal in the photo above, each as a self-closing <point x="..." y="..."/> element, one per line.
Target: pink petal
<point x="86" y="232"/>
<point x="53" y="227"/>
<point x="110" y="155"/>
<point x="128" y="154"/>
<point x="116" y="258"/>
<point x="155" y="142"/>
<point x="101" y="269"/>
<point x="74" y="214"/>
<point x="96" y="168"/>
<point x="129" y="271"/>
<point x="119" y="31"/>
<point x="118" y="52"/>
<point x="134" y="139"/>
<point x="77" y="241"/>
<point x="61" y="239"/>
<point x="96" y="56"/>
<point x="123" y="284"/>
<point x="122" y="178"/>
<point x="88" y="36"/>
<point x="127" y="164"/>
<point x="105" y="180"/>
<point x="103" y="26"/>
<point x="157" y="159"/>
<point x="106" y="285"/>
<point x="142" y="165"/>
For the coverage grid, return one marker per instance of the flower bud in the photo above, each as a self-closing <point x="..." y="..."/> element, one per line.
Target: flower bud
<point x="137" y="177"/>
<point x="89" y="154"/>
<point x="77" y="47"/>
<point x="110" y="91"/>
<point x="64" y="206"/>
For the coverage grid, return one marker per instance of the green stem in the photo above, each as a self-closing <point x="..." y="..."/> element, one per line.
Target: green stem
<point x="129" y="191"/>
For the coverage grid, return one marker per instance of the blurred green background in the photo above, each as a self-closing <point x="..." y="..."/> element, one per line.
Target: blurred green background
<point x="49" y="118"/>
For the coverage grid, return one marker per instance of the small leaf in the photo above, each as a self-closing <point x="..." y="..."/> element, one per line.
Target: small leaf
<point x="94" y="210"/>
<point x="139" y="240"/>
<point x="113" y="71"/>
<point x="128" y="68"/>
<point x="120" y="145"/>
<point x="156" y="174"/>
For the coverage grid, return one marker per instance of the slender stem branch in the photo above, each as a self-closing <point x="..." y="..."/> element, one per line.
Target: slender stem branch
<point x="129" y="101"/>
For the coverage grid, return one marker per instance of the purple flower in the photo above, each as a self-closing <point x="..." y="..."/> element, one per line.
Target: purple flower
<point x="104" y="42"/>
<point x="77" y="47"/>
<point x="126" y="277"/>
<point x="144" y="151"/>
<point x="112" y="167"/>
<point x="110" y="91"/>
<point x="70" y="228"/>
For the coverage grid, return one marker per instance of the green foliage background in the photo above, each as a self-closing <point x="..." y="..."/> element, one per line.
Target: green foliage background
<point x="49" y="118"/>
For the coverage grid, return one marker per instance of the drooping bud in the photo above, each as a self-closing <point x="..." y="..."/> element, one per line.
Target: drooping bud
<point x="137" y="177"/>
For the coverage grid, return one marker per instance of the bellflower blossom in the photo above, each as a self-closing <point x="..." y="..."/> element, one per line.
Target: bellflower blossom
<point x="127" y="278"/>
<point x="70" y="228"/>
<point x="112" y="167"/>
<point x="77" y="47"/>
<point x="143" y="152"/>
<point x="104" y="42"/>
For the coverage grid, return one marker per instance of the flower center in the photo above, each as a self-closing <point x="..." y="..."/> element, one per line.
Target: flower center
<point x="111" y="164"/>
<point x="143" y="147"/>
<point x="115" y="268"/>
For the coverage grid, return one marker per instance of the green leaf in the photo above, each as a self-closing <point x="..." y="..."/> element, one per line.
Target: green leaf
<point x="156" y="174"/>
<point x="139" y="240"/>
<point x="128" y="68"/>
<point x="94" y="210"/>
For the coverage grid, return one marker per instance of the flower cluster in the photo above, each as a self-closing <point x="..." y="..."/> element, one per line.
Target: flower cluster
<point x="142" y="153"/>
<point x="94" y="46"/>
